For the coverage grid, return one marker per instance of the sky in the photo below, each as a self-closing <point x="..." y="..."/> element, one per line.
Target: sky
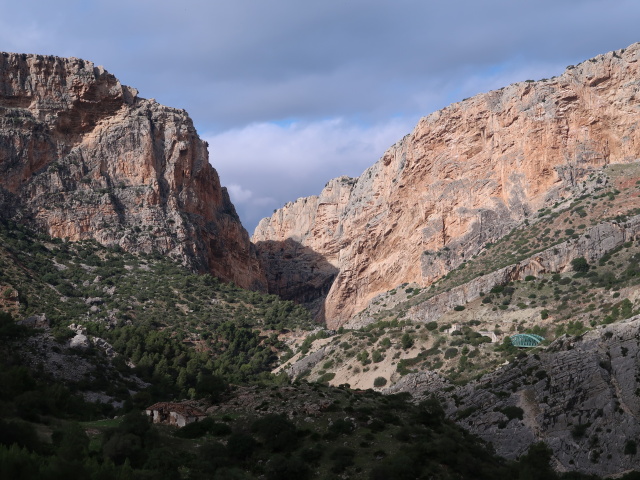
<point x="291" y="93"/>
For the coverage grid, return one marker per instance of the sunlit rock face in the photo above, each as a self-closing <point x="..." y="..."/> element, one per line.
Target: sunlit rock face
<point x="465" y="176"/>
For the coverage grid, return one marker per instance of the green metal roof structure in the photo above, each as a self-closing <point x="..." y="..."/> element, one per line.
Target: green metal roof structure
<point x="526" y="340"/>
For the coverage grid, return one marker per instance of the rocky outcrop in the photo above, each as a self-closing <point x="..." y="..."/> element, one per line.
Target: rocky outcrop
<point x="465" y="176"/>
<point x="592" y="245"/>
<point x="83" y="157"/>
<point x="579" y="396"/>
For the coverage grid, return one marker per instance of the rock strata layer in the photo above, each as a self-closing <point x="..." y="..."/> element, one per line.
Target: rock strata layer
<point x="592" y="245"/>
<point x="83" y="157"/>
<point x="465" y="176"/>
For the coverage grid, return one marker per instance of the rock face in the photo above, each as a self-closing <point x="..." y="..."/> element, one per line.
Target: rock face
<point x="465" y="176"/>
<point x="82" y="156"/>
<point x="592" y="245"/>
<point x="579" y="396"/>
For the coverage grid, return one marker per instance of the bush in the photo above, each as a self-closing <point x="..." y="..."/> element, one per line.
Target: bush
<point x="579" y="264"/>
<point x="327" y="377"/>
<point x="342" y="427"/>
<point x="286" y="468"/>
<point x="379" y="382"/>
<point x="220" y="429"/>
<point x="363" y="357"/>
<point x="529" y="278"/>
<point x="513" y="412"/>
<point x="407" y="341"/>
<point x="241" y="445"/>
<point x="579" y="430"/>
<point x="195" y="429"/>
<point x="450" y="353"/>
<point x="458" y="308"/>
<point x="631" y="447"/>
<point x="342" y="458"/>
<point x="277" y="432"/>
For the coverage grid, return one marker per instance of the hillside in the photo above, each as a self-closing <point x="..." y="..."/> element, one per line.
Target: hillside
<point x="571" y="275"/>
<point x="102" y="332"/>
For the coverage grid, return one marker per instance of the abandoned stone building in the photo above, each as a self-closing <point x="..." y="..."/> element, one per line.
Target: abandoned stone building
<point x="178" y="414"/>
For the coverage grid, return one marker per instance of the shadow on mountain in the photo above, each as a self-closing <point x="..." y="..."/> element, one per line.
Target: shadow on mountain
<point x="295" y="272"/>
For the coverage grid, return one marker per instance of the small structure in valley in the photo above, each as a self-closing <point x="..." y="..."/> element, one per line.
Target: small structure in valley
<point x="178" y="414"/>
<point x="526" y="340"/>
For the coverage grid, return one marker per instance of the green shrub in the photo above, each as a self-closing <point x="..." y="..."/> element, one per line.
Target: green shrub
<point x="379" y="382"/>
<point x="450" y="353"/>
<point x="342" y="457"/>
<point x="277" y="432"/>
<point x="459" y="308"/>
<point x="579" y="430"/>
<point x="630" y="447"/>
<point x="580" y="265"/>
<point x="511" y="412"/>
<point x="326" y="377"/>
<point x="363" y="357"/>
<point x="407" y="341"/>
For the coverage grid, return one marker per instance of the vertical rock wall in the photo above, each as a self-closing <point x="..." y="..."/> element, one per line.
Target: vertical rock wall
<point x="465" y="176"/>
<point x="82" y="156"/>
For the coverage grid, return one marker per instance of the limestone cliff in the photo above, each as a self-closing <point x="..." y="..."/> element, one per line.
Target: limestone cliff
<point x="592" y="245"/>
<point x="465" y="176"/>
<point x="82" y="156"/>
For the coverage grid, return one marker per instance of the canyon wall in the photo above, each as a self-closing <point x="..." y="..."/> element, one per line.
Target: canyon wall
<point x="83" y="157"/>
<point x="465" y="176"/>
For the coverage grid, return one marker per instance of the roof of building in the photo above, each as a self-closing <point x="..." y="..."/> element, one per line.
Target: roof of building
<point x="183" y="408"/>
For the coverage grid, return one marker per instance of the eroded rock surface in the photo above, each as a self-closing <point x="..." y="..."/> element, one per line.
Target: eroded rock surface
<point x="592" y="245"/>
<point x="579" y="396"/>
<point x="465" y="176"/>
<point x="83" y="157"/>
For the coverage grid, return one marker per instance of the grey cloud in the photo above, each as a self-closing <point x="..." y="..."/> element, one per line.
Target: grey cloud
<point x="238" y="65"/>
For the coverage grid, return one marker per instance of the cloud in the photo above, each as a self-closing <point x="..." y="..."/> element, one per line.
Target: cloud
<point x="238" y="194"/>
<point x="293" y="93"/>
<point x="268" y="164"/>
<point x="233" y="63"/>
